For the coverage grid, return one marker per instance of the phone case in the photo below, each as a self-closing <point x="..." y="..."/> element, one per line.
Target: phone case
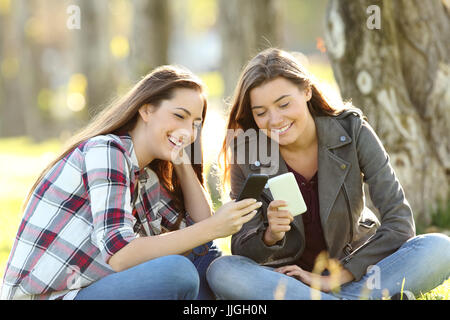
<point x="253" y="186"/>
<point x="284" y="187"/>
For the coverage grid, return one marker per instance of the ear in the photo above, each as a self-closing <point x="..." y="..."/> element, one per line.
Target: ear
<point x="308" y="93"/>
<point x="144" y="112"/>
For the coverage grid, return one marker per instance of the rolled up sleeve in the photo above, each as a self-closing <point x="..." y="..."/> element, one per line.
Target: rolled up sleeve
<point x="107" y="180"/>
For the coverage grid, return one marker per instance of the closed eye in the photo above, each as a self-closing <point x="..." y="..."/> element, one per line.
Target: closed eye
<point x="179" y="115"/>
<point x="284" y="105"/>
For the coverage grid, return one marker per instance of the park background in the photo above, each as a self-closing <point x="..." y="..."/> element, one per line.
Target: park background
<point x="62" y="61"/>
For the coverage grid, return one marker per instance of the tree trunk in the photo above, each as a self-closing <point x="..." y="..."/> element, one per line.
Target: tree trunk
<point x="92" y="52"/>
<point x="246" y="28"/>
<point x="151" y="33"/>
<point x="19" y="84"/>
<point x="12" y="122"/>
<point x="399" y="75"/>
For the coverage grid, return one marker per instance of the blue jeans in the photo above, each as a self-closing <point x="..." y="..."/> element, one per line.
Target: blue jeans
<point x="173" y="277"/>
<point x="423" y="262"/>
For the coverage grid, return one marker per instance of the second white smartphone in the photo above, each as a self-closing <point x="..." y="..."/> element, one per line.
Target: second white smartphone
<point x="284" y="187"/>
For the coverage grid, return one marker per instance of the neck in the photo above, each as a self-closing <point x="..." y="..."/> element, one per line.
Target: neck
<point x="143" y="156"/>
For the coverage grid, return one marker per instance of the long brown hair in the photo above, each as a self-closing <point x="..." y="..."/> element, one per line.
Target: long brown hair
<point x="121" y="116"/>
<point x="265" y="66"/>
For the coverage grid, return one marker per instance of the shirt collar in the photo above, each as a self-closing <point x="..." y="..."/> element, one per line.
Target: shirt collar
<point x="129" y="146"/>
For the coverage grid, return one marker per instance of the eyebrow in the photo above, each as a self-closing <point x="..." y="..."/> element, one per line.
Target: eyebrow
<point x="188" y="112"/>
<point x="283" y="96"/>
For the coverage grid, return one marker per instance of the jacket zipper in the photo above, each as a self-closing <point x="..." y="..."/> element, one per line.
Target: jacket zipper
<point x="369" y="241"/>
<point x="348" y="248"/>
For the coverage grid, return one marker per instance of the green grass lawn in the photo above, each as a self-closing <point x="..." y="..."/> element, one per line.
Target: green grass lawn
<point x="21" y="162"/>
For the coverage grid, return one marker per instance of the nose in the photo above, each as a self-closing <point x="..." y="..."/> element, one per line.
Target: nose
<point x="275" y="120"/>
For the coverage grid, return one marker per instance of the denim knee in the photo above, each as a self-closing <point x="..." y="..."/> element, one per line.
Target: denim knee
<point x="437" y="245"/>
<point x="221" y="267"/>
<point x="218" y="276"/>
<point x="433" y="241"/>
<point x="180" y="271"/>
<point x="223" y="273"/>
<point x="186" y="275"/>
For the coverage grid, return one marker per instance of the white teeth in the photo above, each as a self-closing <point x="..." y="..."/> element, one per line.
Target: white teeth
<point x="175" y="141"/>
<point x="283" y="129"/>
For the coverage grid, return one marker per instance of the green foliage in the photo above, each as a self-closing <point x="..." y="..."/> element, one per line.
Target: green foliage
<point x="24" y="146"/>
<point x="441" y="217"/>
<point x="440" y="293"/>
<point x="439" y="220"/>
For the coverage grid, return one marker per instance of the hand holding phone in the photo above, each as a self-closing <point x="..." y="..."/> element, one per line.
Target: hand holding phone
<point x="279" y="221"/>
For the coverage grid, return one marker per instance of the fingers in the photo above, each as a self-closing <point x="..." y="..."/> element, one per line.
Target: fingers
<point x="275" y="204"/>
<point x="313" y="280"/>
<point x="296" y="272"/>
<point x="283" y="219"/>
<point x="248" y="209"/>
<point x="278" y="229"/>
<point x="240" y="222"/>
<point x="289" y="269"/>
<point x="243" y="203"/>
<point x="274" y="210"/>
<point x="285" y="268"/>
<point x="248" y="217"/>
<point x="280" y="221"/>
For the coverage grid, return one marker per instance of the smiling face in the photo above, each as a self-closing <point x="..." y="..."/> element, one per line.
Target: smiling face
<point x="172" y="125"/>
<point x="280" y="107"/>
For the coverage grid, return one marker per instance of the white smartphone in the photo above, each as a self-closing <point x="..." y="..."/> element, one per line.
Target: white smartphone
<point x="284" y="187"/>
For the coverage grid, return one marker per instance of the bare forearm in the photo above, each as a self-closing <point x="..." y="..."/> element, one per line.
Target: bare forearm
<point x="194" y="195"/>
<point x="227" y="220"/>
<point x="146" y="248"/>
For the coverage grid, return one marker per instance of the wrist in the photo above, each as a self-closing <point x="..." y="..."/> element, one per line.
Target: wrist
<point x="208" y="229"/>
<point x="268" y="238"/>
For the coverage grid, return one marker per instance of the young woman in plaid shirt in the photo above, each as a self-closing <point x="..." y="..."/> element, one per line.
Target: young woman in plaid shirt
<point x="122" y="213"/>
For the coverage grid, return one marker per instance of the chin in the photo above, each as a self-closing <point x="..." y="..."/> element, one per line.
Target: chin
<point x="286" y="141"/>
<point x="283" y="140"/>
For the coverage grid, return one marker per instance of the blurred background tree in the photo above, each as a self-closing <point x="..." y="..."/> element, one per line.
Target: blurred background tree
<point x="151" y="25"/>
<point x="54" y="78"/>
<point x="243" y="38"/>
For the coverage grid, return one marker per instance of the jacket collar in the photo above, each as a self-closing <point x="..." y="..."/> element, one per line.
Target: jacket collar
<point x="332" y="168"/>
<point x="330" y="133"/>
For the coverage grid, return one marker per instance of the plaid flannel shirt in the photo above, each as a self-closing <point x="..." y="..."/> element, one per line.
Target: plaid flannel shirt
<point x="81" y="214"/>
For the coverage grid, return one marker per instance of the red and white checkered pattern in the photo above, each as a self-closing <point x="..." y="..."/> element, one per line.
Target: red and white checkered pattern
<point x="80" y="215"/>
